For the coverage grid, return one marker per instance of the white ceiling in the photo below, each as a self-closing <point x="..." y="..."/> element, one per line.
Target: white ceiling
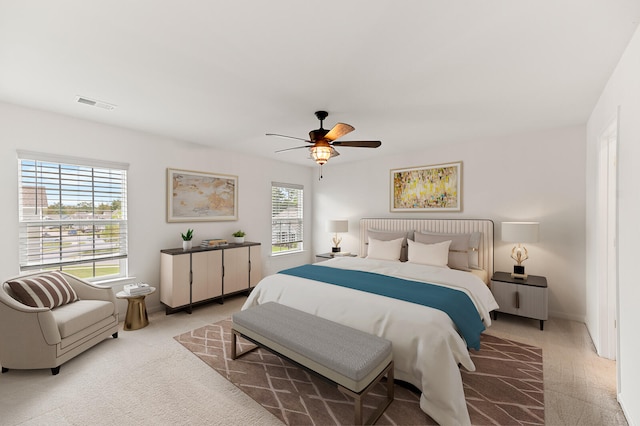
<point x="224" y="73"/>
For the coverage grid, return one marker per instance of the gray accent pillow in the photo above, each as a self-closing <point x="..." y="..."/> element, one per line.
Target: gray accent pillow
<point x="474" y="250"/>
<point x="458" y="250"/>
<point x="393" y="235"/>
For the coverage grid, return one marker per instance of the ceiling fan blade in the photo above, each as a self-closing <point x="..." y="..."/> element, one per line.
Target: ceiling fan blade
<point x="288" y="137"/>
<point x="338" y="131"/>
<point x="358" y="144"/>
<point x="289" y="149"/>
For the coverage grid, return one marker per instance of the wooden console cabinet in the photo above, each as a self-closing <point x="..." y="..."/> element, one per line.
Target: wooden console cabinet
<point x="202" y="275"/>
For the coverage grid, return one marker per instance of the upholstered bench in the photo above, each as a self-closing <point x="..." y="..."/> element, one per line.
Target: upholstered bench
<point x="352" y="359"/>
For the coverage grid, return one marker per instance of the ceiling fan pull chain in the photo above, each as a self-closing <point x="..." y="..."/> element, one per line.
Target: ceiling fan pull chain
<point x="320" y="178"/>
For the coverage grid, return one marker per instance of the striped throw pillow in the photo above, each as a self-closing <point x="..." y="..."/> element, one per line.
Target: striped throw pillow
<point x="43" y="291"/>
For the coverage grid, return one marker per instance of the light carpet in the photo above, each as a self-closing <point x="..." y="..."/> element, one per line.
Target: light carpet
<point x="506" y="388"/>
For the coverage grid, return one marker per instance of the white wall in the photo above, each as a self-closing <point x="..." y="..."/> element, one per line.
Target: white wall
<point x="537" y="176"/>
<point x="149" y="156"/>
<point x="622" y="90"/>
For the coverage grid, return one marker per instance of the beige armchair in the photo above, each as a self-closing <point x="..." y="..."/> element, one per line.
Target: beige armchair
<point x="40" y="337"/>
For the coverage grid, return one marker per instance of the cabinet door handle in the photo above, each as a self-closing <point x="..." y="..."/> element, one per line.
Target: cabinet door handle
<point x="517" y="300"/>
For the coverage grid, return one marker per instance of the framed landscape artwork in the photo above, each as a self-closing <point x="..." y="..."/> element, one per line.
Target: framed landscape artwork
<point x="200" y="196"/>
<point x="427" y="188"/>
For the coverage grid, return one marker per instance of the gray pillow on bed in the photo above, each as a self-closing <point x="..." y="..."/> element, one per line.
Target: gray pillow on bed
<point x="474" y="250"/>
<point x="392" y="235"/>
<point x="458" y="250"/>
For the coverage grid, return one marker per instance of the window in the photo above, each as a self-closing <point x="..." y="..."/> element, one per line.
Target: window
<point x="72" y="215"/>
<point x="286" y="218"/>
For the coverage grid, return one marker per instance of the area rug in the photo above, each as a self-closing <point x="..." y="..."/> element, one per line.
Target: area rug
<point x="505" y="389"/>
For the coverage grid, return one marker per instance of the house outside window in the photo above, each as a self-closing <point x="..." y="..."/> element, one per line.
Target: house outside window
<point x="287" y="221"/>
<point x="72" y="215"/>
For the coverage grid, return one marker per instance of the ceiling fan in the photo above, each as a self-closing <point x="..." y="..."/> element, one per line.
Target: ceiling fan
<point x="323" y="141"/>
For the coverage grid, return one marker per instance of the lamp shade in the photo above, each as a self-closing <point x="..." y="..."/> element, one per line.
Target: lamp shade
<point x="338" y="226"/>
<point x="520" y="232"/>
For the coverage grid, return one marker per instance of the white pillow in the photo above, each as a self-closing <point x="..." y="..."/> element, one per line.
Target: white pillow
<point x="384" y="250"/>
<point x="429" y="254"/>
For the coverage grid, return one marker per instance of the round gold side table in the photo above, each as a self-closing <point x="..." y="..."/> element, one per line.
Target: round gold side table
<point x="136" y="317"/>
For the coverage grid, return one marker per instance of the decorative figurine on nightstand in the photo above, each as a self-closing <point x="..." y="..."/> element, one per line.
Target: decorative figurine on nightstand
<point x="336" y="226"/>
<point x="520" y="232"/>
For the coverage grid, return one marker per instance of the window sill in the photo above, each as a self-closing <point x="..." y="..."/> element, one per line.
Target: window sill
<point x="287" y="253"/>
<point x="115" y="282"/>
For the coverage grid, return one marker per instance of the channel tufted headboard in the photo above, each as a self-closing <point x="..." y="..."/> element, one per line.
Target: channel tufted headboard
<point x="445" y="226"/>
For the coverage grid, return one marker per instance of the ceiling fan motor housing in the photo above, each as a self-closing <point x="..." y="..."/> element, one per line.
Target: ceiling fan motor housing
<point x="317" y="135"/>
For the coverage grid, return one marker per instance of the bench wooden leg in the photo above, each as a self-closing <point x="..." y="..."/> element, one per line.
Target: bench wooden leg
<point x="358" y="397"/>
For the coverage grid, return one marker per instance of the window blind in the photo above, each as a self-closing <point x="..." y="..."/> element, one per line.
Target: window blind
<point x="287" y="220"/>
<point x="71" y="213"/>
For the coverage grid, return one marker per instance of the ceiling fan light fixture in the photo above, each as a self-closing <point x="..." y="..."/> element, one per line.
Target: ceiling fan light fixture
<point x="321" y="153"/>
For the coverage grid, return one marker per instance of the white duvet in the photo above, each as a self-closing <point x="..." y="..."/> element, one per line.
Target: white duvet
<point x="426" y="346"/>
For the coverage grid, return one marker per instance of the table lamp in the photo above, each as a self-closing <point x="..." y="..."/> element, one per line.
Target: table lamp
<point x="520" y="232"/>
<point x="337" y="226"/>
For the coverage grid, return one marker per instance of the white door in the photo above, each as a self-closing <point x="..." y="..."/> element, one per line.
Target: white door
<point x="607" y="240"/>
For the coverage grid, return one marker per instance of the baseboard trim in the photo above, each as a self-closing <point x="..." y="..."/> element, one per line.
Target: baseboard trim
<point x="570" y="317"/>
<point x="626" y="413"/>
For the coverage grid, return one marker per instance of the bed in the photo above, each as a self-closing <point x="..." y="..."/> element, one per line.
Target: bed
<point x="427" y="345"/>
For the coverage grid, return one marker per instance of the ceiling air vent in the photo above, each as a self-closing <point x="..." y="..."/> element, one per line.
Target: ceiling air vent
<point x="95" y="103"/>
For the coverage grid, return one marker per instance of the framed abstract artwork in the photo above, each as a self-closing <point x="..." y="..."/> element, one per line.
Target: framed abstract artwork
<point x="200" y="196"/>
<point x="427" y="188"/>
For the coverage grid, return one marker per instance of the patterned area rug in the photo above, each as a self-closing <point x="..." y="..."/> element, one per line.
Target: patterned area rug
<point x="506" y="388"/>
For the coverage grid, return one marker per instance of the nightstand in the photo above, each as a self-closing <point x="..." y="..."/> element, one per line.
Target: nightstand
<point x="523" y="297"/>
<point x="326" y="256"/>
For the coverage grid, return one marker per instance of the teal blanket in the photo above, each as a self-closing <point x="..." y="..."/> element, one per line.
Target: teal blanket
<point x="454" y="303"/>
